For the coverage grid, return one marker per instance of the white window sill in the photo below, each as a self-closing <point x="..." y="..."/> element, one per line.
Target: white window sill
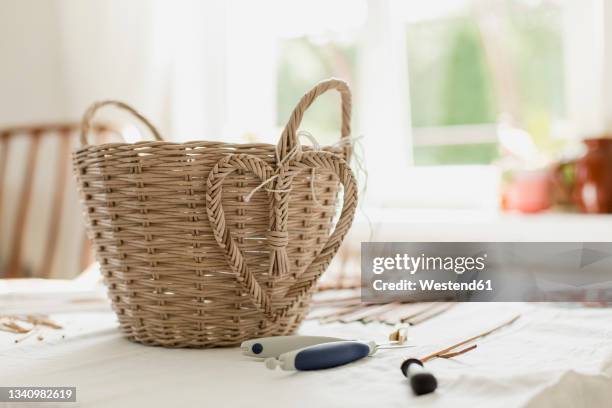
<point x="422" y="225"/>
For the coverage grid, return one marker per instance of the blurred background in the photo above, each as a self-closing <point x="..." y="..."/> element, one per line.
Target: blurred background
<point x="474" y="120"/>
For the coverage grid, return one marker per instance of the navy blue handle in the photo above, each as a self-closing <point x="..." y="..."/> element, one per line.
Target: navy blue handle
<point x="328" y="355"/>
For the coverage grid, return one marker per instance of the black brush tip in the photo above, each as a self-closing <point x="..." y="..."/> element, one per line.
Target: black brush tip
<point x="423" y="383"/>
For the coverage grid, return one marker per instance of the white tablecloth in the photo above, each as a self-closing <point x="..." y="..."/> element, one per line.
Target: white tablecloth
<point x="553" y="356"/>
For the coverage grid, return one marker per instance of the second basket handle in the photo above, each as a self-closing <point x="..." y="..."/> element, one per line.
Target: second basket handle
<point x="289" y="136"/>
<point x="91" y="111"/>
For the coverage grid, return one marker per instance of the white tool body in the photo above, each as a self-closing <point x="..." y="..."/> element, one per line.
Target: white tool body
<point x="275" y="346"/>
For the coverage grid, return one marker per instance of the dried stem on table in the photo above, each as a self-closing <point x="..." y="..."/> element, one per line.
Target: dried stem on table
<point x="339" y="285"/>
<point x="32" y="332"/>
<point x="43" y="321"/>
<point x="435" y="310"/>
<point x="14" y="324"/>
<point x="461" y="343"/>
<point x="458" y="353"/>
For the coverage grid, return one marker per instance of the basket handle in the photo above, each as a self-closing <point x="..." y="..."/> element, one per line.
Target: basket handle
<point x="91" y="111"/>
<point x="289" y="136"/>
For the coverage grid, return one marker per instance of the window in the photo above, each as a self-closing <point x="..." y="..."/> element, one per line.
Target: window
<point x="303" y="61"/>
<point x="478" y="63"/>
<point x="471" y="64"/>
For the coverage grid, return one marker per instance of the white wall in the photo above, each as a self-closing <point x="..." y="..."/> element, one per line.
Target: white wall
<point x="58" y="56"/>
<point x="31" y="80"/>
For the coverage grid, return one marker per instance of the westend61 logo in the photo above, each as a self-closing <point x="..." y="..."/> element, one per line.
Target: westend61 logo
<point x="414" y="264"/>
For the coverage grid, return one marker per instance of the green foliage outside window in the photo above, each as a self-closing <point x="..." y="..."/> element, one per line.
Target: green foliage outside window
<point x="451" y="77"/>
<point x="450" y="83"/>
<point x="302" y="64"/>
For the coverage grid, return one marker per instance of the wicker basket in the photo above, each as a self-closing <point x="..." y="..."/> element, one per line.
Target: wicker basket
<point x="206" y="244"/>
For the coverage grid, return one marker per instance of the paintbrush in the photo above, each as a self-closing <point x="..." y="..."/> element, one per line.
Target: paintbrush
<point x="424" y="382"/>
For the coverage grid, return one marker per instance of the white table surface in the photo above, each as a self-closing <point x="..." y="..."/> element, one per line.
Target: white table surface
<point x="553" y="356"/>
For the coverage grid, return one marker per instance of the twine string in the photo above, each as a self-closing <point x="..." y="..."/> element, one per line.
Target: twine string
<point x="362" y="174"/>
<point x="313" y="172"/>
<point x="248" y="197"/>
<point x="296" y="152"/>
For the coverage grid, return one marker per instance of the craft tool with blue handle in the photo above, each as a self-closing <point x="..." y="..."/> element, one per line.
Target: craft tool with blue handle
<point x="326" y="355"/>
<point x="275" y="346"/>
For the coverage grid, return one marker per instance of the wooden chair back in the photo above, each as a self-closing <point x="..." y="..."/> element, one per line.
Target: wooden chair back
<point x="32" y="156"/>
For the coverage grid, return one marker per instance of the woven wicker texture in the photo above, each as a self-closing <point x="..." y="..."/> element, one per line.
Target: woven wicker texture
<point x="206" y="244"/>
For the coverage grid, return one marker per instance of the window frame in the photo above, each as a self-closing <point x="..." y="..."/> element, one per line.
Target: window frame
<point x="388" y="135"/>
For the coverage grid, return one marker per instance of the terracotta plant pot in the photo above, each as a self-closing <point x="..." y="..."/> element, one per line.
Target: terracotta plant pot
<point x="529" y="191"/>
